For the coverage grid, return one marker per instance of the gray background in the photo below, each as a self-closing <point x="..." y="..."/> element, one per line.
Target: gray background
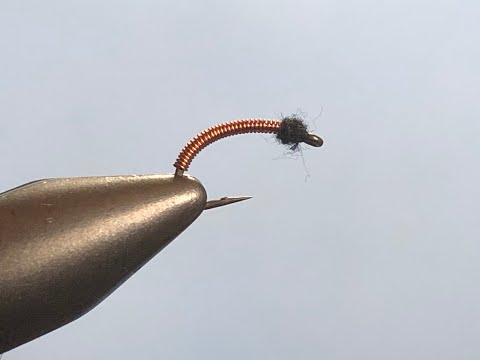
<point x="376" y="256"/>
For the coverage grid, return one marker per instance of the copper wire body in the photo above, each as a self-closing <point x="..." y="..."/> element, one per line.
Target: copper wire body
<point x="220" y="131"/>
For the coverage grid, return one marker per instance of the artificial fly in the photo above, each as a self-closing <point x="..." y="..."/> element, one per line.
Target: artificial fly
<point x="290" y="131"/>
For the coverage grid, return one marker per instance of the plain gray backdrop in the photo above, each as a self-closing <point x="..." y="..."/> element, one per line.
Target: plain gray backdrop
<point x="375" y="256"/>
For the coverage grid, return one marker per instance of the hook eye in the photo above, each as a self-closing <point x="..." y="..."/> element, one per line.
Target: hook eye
<point x="313" y="140"/>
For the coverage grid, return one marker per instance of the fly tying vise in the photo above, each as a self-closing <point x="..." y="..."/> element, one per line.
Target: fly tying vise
<point x="68" y="243"/>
